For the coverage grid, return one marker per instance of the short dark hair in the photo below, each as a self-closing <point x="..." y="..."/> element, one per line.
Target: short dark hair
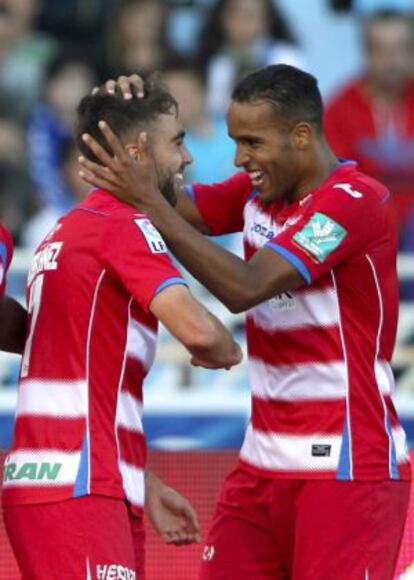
<point x="291" y="92"/>
<point x="123" y="116"/>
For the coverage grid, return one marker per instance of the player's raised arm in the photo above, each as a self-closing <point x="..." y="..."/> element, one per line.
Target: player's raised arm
<point x="204" y="336"/>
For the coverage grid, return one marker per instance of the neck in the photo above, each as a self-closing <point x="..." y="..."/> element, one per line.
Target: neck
<point x="320" y="166"/>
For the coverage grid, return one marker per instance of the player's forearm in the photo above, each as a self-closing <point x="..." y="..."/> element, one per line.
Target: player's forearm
<point x="188" y="210"/>
<point x="217" y="348"/>
<point x="13" y="320"/>
<point x="226" y="276"/>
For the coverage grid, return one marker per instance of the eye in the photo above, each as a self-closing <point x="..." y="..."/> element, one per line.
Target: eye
<point x="252" y="142"/>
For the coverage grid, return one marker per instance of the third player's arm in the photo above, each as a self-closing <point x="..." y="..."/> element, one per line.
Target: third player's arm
<point x="209" y="342"/>
<point x="13" y="319"/>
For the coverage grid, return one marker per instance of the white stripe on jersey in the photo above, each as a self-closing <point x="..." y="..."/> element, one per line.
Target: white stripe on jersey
<point x="53" y="398"/>
<point x="259" y="227"/>
<point x="88" y="357"/>
<point x="297" y="310"/>
<point x="301" y="382"/>
<point x="308" y="381"/>
<point x="377" y="350"/>
<point x="282" y="452"/>
<point x="66" y="474"/>
<point x="385" y="377"/>
<point x="141" y="343"/>
<point x="133" y="481"/>
<point x="400" y="441"/>
<point x="129" y="413"/>
<point x="348" y="402"/>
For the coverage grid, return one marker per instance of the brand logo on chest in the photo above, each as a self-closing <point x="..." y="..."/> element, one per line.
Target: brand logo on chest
<point x="282" y="302"/>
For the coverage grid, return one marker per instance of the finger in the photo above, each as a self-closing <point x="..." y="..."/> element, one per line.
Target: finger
<point x="137" y="82"/>
<point x="125" y="86"/>
<point x="96" y="169"/>
<point x="191" y="517"/>
<point x="94" y="90"/>
<point x="99" y="151"/>
<point x="189" y="539"/>
<point x="113" y="142"/>
<point x="110" y="86"/>
<point x="171" y="537"/>
<point x="94" y="181"/>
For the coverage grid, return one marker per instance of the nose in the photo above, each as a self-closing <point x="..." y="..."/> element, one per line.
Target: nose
<point x="187" y="157"/>
<point x="241" y="157"/>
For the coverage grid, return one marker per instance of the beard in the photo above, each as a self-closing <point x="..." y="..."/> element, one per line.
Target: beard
<point x="168" y="191"/>
<point x="169" y="188"/>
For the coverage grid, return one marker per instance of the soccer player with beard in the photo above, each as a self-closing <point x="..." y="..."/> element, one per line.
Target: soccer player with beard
<point x="74" y="482"/>
<point x="322" y="484"/>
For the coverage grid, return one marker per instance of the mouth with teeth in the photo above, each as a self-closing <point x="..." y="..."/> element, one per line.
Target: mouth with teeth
<point x="256" y="177"/>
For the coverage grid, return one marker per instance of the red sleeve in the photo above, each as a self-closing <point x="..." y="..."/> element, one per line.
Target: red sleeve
<point x="222" y="204"/>
<point x="6" y="255"/>
<point x="137" y="255"/>
<point x="331" y="228"/>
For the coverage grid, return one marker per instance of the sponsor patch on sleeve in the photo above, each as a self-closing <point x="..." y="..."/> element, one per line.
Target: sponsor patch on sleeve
<point x="152" y="236"/>
<point x="320" y="236"/>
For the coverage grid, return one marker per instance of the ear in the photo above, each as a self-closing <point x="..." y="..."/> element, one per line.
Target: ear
<point x="133" y="150"/>
<point x="302" y="135"/>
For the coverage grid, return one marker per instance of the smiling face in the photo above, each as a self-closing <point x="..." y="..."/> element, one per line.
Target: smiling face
<point x="171" y="156"/>
<point x="267" y="148"/>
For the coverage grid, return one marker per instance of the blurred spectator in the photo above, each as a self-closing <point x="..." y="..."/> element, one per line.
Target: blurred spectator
<point x="239" y="36"/>
<point x="206" y="136"/>
<point x="79" y="23"/>
<point x="371" y="120"/>
<point x="15" y="189"/>
<point x="139" y="42"/>
<point x="24" y="53"/>
<point x="67" y="80"/>
<point x="43" y="221"/>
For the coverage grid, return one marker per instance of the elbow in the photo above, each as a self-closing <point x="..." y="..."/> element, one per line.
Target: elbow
<point x="243" y="301"/>
<point x="237" y="306"/>
<point x="202" y="339"/>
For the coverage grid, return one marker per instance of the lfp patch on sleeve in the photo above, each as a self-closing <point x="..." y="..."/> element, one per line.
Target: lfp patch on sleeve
<point x="320" y="236"/>
<point x="152" y="236"/>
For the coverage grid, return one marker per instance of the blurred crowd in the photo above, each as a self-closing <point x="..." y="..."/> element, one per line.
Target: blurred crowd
<point x="52" y="53"/>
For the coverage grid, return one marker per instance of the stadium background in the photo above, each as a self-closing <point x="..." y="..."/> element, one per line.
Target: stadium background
<point x="194" y="419"/>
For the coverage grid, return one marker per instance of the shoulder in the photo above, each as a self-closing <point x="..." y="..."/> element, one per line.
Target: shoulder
<point x="355" y="200"/>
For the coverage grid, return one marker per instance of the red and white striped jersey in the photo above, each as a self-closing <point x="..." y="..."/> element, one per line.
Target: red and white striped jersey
<point x="6" y="255"/>
<point x="319" y="356"/>
<point x="90" y="343"/>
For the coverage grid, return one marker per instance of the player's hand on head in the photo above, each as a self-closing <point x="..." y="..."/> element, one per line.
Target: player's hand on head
<point x="128" y="85"/>
<point x="131" y="176"/>
<point x="172" y="515"/>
